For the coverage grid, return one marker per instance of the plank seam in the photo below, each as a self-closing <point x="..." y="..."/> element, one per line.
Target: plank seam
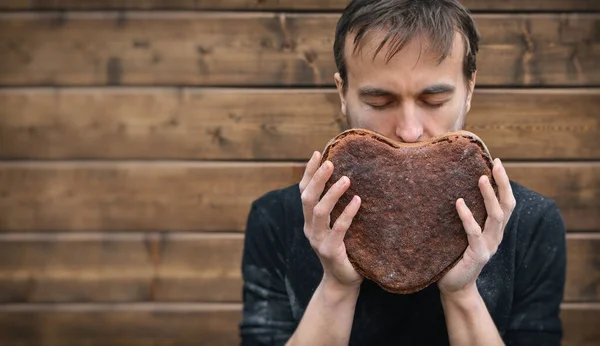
<point x="172" y="235"/>
<point x="268" y="90"/>
<point x="119" y="236"/>
<point x="318" y="86"/>
<point x="235" y="163"/>
<point x="104" y="307"/>
<point x="263" y="11"/>
<point x="181" y="306"/>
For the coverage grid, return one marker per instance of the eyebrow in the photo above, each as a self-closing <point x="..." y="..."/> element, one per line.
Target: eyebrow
<point x="438" y="89"/>
<point x="430" y="90"/>
<point x="370" y="91"/>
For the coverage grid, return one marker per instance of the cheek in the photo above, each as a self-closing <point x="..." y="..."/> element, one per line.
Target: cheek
<point x="445" y="119"/>
<point x="361" y="115"/>
<point x="458" y="115"/>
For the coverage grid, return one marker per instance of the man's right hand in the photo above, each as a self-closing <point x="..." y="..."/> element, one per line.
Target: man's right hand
<point x="328" y="242"/>
<point x="330" y="312"/>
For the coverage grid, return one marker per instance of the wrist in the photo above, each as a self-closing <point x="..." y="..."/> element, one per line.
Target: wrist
<point x="335" y="292"/>
<point x="467" y="298"/>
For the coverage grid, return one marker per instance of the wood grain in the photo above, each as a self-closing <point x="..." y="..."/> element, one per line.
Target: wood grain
<point x="119" y="324"/>
<point x="137" y="253"/>
<point x="187" y="196"/>
<point x="258" y="124"/>
<point x="574" y="186"/>
<point x="180" y="324"/>
<point x="580" y="324"/>
<point x="258" y="49"/>
<point x="583" y="268"/>
<point x="120" y="267"/>
<point x="306" y="5"/>
<point x="176" y="268"/>
<point x="105" y="196"/>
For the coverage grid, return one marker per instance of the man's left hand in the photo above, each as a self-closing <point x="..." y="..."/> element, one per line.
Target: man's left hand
<point x="482" y="244"/>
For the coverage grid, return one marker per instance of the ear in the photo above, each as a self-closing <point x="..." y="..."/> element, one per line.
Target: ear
<point x="470" y="89"/>
<point x="340" y="87"/>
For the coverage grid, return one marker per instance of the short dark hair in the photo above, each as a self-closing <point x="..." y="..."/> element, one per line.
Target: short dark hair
<point x="438" y="20"/>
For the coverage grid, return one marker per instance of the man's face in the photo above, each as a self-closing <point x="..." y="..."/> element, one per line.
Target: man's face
<point x="411" y="98"/>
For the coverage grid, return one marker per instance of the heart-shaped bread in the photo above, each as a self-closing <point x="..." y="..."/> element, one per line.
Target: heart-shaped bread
<point x="407" y="233"/>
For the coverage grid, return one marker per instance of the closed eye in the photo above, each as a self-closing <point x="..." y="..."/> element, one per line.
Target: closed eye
<point x="434" y="104"/>
<point x="379" y="104"/>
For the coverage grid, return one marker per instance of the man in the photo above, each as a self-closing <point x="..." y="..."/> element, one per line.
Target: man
<point x="406" y="70"/>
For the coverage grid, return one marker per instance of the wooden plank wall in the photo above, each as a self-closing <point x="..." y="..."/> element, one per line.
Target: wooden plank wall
<point x="134" y="135"/>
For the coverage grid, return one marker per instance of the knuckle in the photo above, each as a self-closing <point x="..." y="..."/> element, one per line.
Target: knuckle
<point x="307" y="232"/>
<point x="318" y="176"/>
<point x="340" y="225"/>
<point x="309" y="236"/>
<point x="302" y="186"/>
<point x="345" y="215"/>
<point x="319" y="211"/>
<point x="304" y="197"/>
<point x="498" y="216"/>
<point x="314" y="241"/>
<point x="474" y="232"/>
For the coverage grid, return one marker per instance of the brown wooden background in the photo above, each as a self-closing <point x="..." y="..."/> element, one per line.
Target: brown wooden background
<point x="134" y="135"/>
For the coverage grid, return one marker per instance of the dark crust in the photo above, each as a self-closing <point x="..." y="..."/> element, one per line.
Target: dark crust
<point x="367" y="138"/>
<point x="439" y="139"/>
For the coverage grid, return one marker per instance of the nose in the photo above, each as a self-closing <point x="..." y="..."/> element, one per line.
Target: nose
<point x="409" y="127"/>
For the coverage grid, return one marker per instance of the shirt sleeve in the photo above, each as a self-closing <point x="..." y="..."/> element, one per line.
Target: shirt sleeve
<point x="539" y="284"/>
<point x="267" y="315"/>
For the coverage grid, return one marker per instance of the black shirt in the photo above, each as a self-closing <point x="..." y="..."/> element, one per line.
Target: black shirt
<point x="522" y="284"/>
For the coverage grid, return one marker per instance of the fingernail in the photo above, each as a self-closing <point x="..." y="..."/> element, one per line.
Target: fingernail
<point x="342" y="181"/>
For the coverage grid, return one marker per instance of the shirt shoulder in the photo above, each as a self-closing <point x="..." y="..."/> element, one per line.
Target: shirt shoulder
<point x="529" y="201"/>
<point x="276" y="212"/>
<point x="282" y="205"/>
<point x="531" y="208"/>
<point x="539" y="237"/>
<point x="267" y="234"/>
<point x="537" y="224"/>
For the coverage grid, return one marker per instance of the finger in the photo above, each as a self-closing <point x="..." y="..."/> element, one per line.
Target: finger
<point x="473" y="230"/>
<point x="311" y="194"/>
<point x="343" y="222"/>
<point x="507" y="199"/>
<point x="309" y="171"/>
<point x="322" y="211"/>
<point x="494" y="223"/>
<point x="495" y="214"/>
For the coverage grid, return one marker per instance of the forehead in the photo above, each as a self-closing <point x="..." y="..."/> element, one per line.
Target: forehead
<point x="416" y="58"/>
